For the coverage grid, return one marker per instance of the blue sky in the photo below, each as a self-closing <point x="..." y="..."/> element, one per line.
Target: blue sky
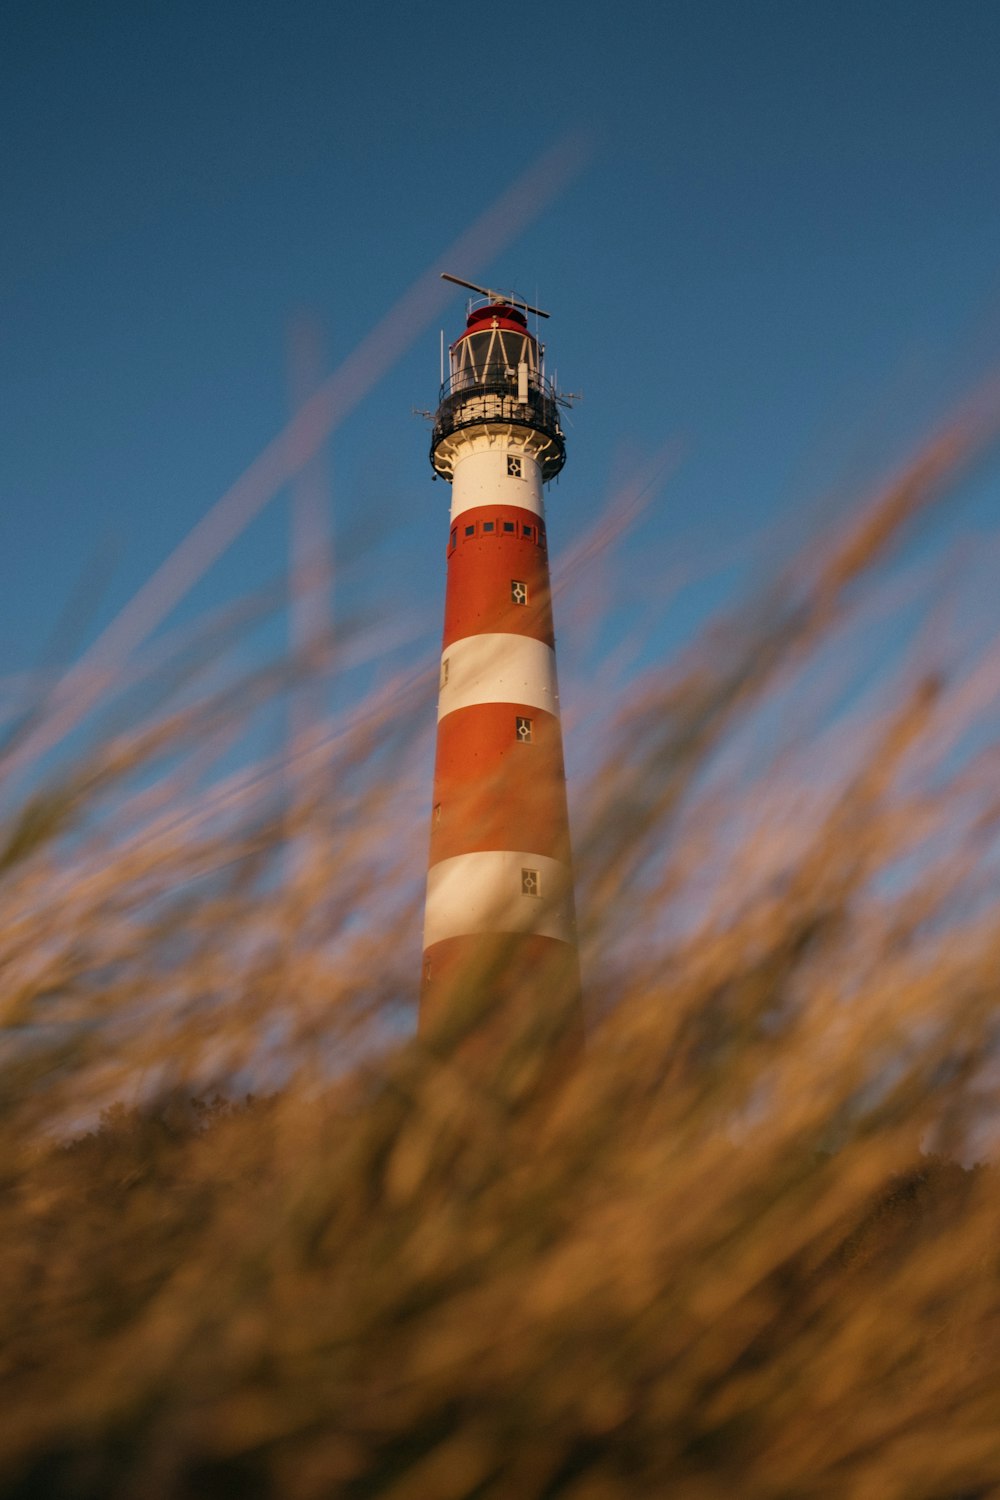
<point x="782" y="252"/>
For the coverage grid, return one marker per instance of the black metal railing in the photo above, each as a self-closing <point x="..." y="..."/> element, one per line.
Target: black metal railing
<point x="467" y="402"/>
<point x="496" y="375"/>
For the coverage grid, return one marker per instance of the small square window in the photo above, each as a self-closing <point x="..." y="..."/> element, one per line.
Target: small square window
<point x="513" y="466"/>
<point x="523" y="730"/>
<point x="509" y="526"/>
<point x="528" y="531"/>
<point x="518" y="591"/>
<point x="488" y="526"/>
<point x="531" y="884"/>
<point x="454" y="536"/>
<point x="470" y="530"/>
<point x="444" y="672"/>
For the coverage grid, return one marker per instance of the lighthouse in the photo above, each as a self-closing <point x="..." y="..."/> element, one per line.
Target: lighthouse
<point x="499" y="918"/>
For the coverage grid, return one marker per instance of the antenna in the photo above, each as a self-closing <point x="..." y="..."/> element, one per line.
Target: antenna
<point x="494" y="296"/>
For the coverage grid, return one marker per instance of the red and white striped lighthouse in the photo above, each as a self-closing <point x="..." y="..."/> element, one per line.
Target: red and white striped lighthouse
<point x="499" y="888"/>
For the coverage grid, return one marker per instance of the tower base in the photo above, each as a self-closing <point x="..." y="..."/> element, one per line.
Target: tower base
<point x="493" y="992"/>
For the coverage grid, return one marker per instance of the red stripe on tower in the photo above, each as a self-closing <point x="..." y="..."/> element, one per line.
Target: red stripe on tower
<point x="499" y="887"/>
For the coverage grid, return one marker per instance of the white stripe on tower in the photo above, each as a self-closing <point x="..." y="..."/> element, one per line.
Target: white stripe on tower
<point x="498" y="668"/>
<point x="484" y="479"/>
<point x="500" y="855"/>
<point x="482" y="892"/>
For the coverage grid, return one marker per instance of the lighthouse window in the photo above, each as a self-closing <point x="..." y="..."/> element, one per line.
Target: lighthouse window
<point x="518" y="591"/>
<point x="470" y="530"/>
<point x="523" y="730"/>
<point x="489" y="526"/>
<point x="531" y="884"/>
<point x="477" y="346"/>
<point x="509" y="526"/>
<point x="454" y="536"/>
<point x="492" y="355"/>
<point x="514" y="346"/>
<point x="528" y="531"/>
<point x="513" y="466"/>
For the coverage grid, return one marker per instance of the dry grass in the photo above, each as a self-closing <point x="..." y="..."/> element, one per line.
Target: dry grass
<point x="710" y="1258"/>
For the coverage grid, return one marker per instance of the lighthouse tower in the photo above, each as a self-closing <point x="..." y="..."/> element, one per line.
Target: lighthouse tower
<point x="499" y="910"/>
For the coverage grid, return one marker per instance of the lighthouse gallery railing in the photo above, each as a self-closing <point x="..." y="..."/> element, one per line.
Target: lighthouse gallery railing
<point x="467" y="402"/>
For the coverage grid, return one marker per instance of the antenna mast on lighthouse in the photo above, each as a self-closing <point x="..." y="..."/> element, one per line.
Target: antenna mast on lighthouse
<point x="499" y="908"/>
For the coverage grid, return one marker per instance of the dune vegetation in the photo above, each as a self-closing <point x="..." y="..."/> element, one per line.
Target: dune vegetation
<point x="260" y="1239"/>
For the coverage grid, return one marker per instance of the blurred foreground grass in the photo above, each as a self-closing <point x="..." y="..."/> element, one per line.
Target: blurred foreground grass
<point x="737" y="1247"/>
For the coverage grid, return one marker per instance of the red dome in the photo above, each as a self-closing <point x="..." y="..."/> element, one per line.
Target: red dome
<point x="505" y="314"/>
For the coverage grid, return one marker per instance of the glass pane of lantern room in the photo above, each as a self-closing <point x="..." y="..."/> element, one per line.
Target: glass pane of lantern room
<point x="495" y="362"/>
<point x="478" y="345"/>
<point x="514" y="349"/>
<point x="460" y="363"/>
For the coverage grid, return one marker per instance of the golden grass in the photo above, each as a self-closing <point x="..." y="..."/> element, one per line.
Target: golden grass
<point x="712" y="1257"/>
